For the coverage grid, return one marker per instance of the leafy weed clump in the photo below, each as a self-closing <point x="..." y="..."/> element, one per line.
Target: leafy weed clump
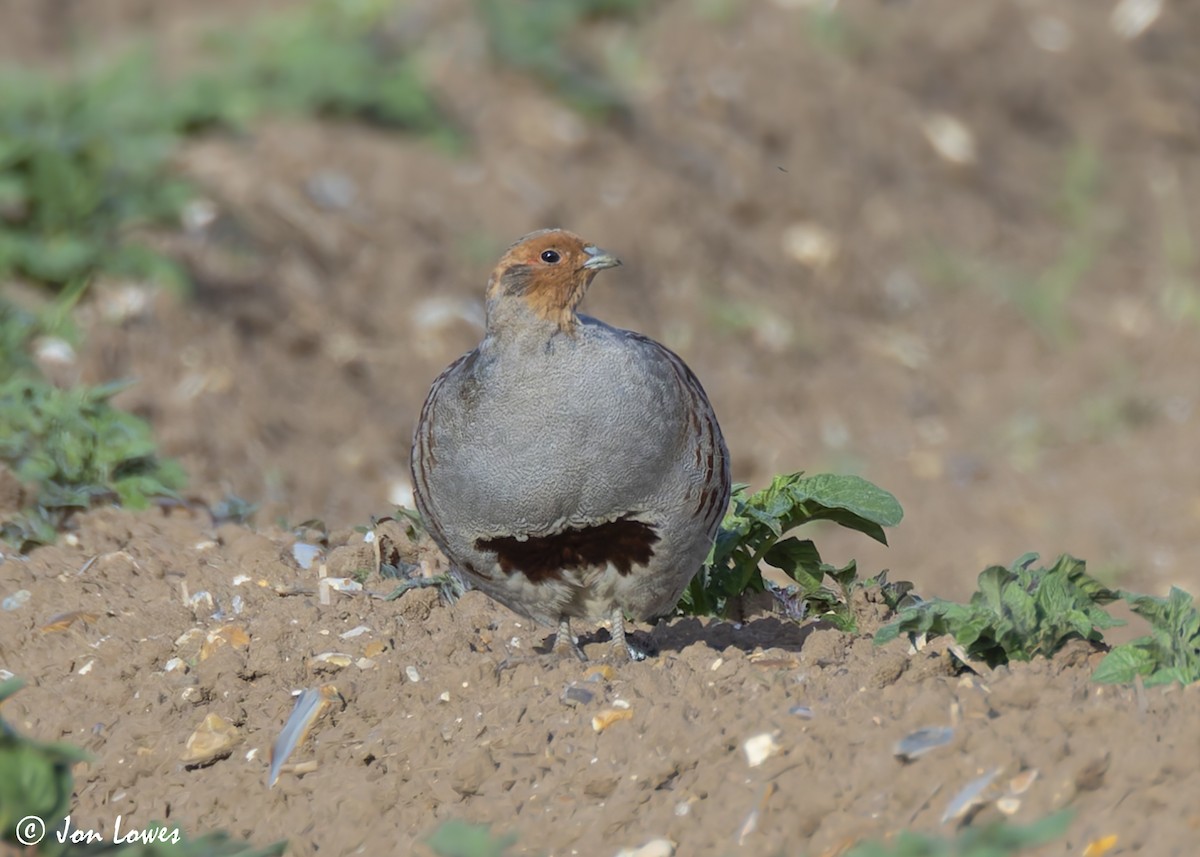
<point x="1026" y="611"/>
<point x="1017" y="613"/>
<point x="75" y="449"/>
<point x="753" y="533"/>
<point x="1169" y="653"/>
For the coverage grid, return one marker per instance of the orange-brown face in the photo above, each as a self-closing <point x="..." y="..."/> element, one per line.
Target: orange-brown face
<point x="550" y="270"/>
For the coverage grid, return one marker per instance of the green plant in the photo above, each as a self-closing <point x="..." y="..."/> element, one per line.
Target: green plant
<point x="753" y="532"/>
<point x="1016" y="613"/>
<point x="460" y="839"/>
<point x="1000" y="839"/>
<point x="1169" y="653"/>
<point x="17" y="329"/>
<point x="532" y="36"/>
<point x="334" y="58"/>
<point x="75" y="449"/>
<point x="82" y="163"/>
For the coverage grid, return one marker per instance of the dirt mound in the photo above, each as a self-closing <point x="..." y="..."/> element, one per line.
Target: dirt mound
<point x="450" y="713"/>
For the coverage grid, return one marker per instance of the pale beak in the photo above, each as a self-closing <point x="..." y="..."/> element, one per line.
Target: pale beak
<point x="600" y="260"/>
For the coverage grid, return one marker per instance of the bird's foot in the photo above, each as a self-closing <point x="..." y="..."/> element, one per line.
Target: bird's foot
<point x="622" y="649"/>
<point x="566" y="643"/>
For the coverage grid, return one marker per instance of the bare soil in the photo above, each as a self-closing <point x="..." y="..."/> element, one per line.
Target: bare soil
<point x="853" y="301"/>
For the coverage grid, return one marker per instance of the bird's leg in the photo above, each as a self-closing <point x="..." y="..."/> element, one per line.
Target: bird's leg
<point x="565" y="641"/>
<point x="622" y="648"/>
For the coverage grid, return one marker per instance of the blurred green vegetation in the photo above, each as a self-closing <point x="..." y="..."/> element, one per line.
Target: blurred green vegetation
<point x="85" y="159"/>
<point x="1043" y="296"/>
<point x="334" y="59"/>
<point x="82" y="162"/>
<point x="998" y="839"/>
<point x="535" y="37"/>
<point x="457" y="838"/>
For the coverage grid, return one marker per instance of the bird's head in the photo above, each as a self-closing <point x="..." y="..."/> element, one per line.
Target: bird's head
<point x="544" y="276"/>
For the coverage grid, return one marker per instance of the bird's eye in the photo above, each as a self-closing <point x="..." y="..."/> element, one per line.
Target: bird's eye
<point x="551" y="257"/>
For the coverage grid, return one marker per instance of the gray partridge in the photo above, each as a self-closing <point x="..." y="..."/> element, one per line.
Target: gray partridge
<point x="568" y="468"/>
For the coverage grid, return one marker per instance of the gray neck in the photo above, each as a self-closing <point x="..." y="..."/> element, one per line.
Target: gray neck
<point x="511" y="323"/>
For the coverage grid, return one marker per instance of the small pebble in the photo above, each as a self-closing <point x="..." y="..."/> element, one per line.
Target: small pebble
<point x="1009" y="805"/>
<point x="919" y="743"/>
<point x="601" y="672"/>
<point x="335" y="660"/>
<point x="759" y="748"/>
<point x="198" y="215"/>
<point x="1020" y="784"/>
<point x="576" y="695"/>
<point x="609" y="716"/>
<point x="214" y="738"/>
<point x="810" y="244"/>
<point x="304" y="554"/>
<point x="1131" y="18"/>
<point x="801" y="711"/>
<point x="950" y="138"/>
<point x="200" y="603"/>
<point x="331" y="190"/>
<point x="412" y="673"/>
<point x="51" y="349"/>
<point x="654" y="848"/>
<point x="970" y="796"/>
<point x="17" y="600"/>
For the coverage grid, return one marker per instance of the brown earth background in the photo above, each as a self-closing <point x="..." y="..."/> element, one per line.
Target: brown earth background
<point x="949" y="246"/>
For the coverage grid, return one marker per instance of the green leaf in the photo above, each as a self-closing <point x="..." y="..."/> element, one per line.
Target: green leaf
<point x="990" y="586"/>
<point x="1123" y="664"/>
<point x="799" y="559"/>
<point x="459" y="839"/>
<point x="852" y="493"/>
